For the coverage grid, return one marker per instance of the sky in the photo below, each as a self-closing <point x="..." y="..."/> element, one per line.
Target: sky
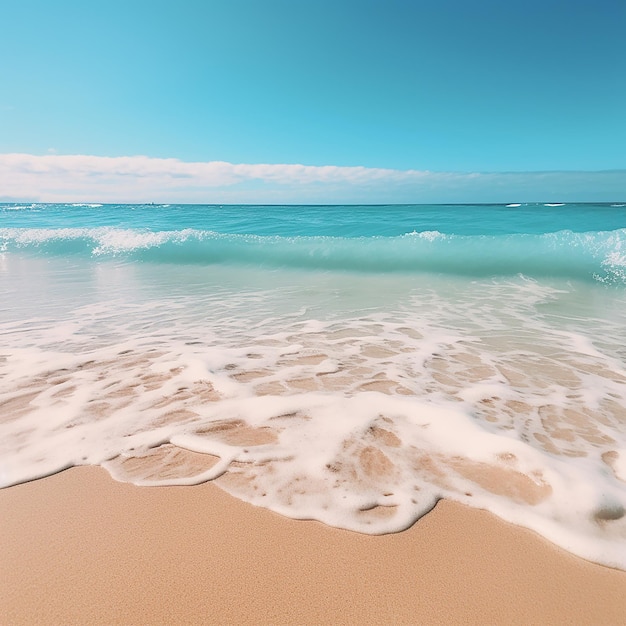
<point x="302" y="101"/>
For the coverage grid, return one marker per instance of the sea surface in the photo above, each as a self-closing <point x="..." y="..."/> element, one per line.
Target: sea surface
<point x="351" y="364"/>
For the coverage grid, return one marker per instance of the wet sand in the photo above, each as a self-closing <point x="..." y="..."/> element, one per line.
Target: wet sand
<point x="80" y="548"/>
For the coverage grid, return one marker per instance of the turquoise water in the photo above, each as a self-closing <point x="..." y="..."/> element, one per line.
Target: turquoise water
<point x="575" y="241"/>
<point x="324" y="221"/>
<point x="351" y="364"/>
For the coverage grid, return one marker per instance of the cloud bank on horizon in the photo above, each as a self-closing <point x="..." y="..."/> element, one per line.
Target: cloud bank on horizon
<point x="77" y="178"/>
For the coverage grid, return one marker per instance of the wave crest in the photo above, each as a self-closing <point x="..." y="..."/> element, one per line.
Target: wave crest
<point x="592" y="255"/>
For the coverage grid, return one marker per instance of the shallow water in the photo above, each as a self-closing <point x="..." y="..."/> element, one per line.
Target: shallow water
<point x="358" y="396"/>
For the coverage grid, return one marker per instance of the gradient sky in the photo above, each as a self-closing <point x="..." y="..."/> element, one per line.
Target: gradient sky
<point x="462" y="86"/>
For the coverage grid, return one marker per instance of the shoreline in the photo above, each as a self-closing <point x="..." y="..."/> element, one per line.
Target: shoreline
<point x="79" y="547"/>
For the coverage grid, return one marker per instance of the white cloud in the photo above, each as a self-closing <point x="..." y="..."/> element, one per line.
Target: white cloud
<point x="76" y="178"/>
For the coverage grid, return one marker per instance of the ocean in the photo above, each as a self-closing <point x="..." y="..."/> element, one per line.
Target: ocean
<point x="350" y="364"/>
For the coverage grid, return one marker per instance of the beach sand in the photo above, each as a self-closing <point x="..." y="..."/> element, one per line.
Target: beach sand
<point x="80" y="548"/>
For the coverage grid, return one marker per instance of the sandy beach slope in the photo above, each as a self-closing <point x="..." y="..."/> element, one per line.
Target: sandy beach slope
<point x="80" y="548"/>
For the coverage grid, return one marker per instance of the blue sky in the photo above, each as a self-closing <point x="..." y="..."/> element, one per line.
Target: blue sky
<point x="445" y="86"/>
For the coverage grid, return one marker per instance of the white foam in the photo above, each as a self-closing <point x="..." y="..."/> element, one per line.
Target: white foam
<point x="429" y="235"/>
<point x="115" y="240"/>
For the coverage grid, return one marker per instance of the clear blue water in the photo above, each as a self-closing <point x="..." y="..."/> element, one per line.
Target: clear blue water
<point x="586" y="241"/>
<point x="324" y="221"/>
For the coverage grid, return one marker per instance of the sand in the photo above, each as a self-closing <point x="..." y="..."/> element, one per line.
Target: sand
<point x="80" y="548"/>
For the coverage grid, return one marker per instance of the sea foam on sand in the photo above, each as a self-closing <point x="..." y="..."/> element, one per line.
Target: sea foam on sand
<point x="322" y="400"/>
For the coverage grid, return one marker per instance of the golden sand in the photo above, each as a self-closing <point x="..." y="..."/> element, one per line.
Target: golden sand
<point x="80" y="548"/>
